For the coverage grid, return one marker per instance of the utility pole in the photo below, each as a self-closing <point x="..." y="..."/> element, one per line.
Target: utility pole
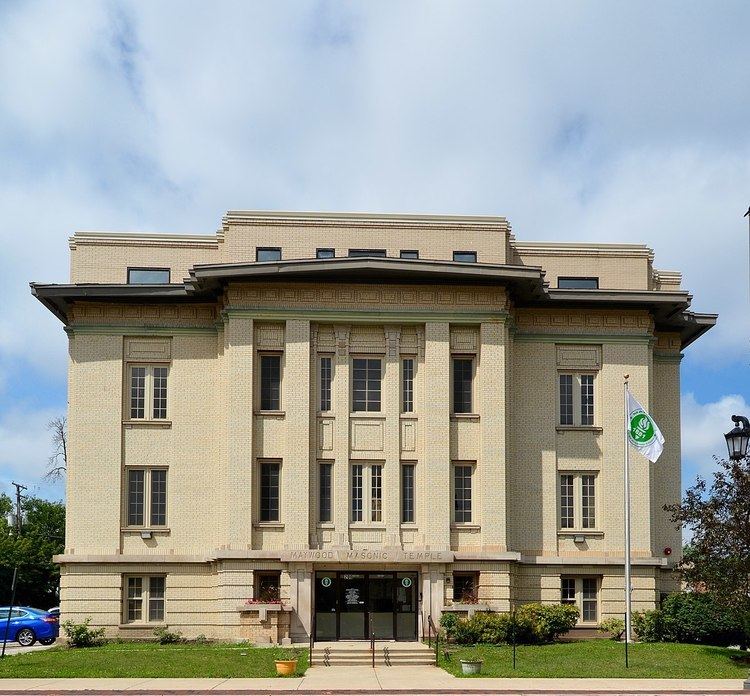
<point x="19" y="488"/>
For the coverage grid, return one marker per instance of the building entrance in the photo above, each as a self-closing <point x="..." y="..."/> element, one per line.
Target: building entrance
<point x="348" y="603"/>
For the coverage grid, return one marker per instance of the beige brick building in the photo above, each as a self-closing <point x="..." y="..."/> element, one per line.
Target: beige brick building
<point x="371" y="418"/>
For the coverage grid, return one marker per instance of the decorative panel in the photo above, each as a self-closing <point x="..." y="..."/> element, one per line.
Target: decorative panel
<point x="408" y="435"/>
<point x="361" y="538"/>
<point x="324" y="337"/>
<point x="464" y="339"/>
<point x="367" y="339"/>
<point x="325" y="434"/>
<point x="367" y="435"/>
<point x="269" y="336"/>
<point x="582" y="357"/>
<point x="146" y="349"/>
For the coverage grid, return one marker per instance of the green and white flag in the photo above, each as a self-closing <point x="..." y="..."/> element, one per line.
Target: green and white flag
<point x="643" y="432"/>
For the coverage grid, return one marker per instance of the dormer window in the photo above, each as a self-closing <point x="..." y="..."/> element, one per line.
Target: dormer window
<point x="148" y="276"/>
<point x="268" y="253"/>
<point x="572" y="283"/>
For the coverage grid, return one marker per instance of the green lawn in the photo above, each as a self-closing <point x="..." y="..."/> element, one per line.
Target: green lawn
<point x="148" y="660"/>
<point x="603" y="658"/>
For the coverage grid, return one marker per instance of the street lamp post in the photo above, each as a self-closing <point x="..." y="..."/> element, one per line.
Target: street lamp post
<point x="738" y="438"/>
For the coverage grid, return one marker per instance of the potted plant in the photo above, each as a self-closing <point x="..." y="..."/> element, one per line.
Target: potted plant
<point x="286" y="662"/>
<point x="471" y="664"/>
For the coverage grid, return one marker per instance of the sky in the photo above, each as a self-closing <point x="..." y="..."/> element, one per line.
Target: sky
<point x="592" y="121"/>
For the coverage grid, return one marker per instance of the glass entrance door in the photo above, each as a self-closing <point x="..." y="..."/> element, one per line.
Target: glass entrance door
<point x="406" y="606"/>
<point x="352" y="606"/>
<point x="380" y="588"/>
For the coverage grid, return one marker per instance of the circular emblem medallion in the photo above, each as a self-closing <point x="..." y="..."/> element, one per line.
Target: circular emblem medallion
<point x="641" y="428"/>
<point x="406" y="582"/>
<point x="326" y="582"/>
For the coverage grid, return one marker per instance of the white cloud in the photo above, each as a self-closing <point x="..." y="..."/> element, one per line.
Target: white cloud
<point x="703" y="426"/>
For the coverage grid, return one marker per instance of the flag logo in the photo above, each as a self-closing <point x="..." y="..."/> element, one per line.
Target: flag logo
<point x="643" y="432"/>
<point x="641" y="429"/>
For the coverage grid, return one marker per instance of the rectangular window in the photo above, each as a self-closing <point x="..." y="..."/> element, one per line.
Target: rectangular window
<point x="325" y="253"/>
<point x="407" y="493"/>
<point x="267" y="585"/>
<point x="376" y="492"/>
<point x="367" y="252"/>
<point x="465" y="256"/>
<point x="148" y="276"/>
<point x="589" y="601"/>
<point x="568" y="591"/>
<point x="269" y="491"/>
<point x="268" y="253"/>
<point x="145" y="598"/>
<point x="366" y="376"/>
<point x="148" y="392"/>
<point x="576" y="399"/>
<point x="409" y="254"/>
<point x="151" y="507"/>
<point x="465" y="588"/>
<point x="463" y="371"/>
<point x="567" y="507"/>
<point x="578" y="501"/>
<point x="325" y="489"/>
<point x="156" y="598"/>
<point x="356" y="492"/>
<point x="326" y="373"/>
<point x="462" y="492"/>
<point x="578" y="283"/>
<point x="135" y="599"/>
<point x="270" y="382"/>
<point x="407" y="385"/>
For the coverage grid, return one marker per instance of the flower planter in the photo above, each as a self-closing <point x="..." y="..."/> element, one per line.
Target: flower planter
<point x="471" y="666"/>
<point x="286" y="668"/>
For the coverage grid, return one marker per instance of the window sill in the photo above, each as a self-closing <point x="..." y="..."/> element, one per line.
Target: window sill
<point x="580" y="532"/>
<point x="466" y="525"/>
<point x="268" y="525"/>
<point x="465" y="416"/>
<point x="582" y="428"/>
<point x="165" y="424"/>
<point x="367" y="414"/>
<point x="278" y="414"/>
<point x="326" y="414"/>
<point x="152" y="530"/>
<point x="326" y="525"/>
<point x="141" y="625"/>
<point x="410" y="525"/>
<point x="367" y="525"/>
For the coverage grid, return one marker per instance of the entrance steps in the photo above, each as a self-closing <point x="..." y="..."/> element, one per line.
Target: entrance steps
<point x="387" y="654"/>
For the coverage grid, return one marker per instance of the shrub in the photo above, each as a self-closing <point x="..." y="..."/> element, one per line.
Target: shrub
<point x="691" y="617"/>
<point x="614" y="626"/>
<point x="81" y="636"/>
<point x="201" y="639"/>
<point x="482" y="627"/>
<point x="448" y="622"/>
<point x="547" y="622"/>
<point x="166" y="637"/>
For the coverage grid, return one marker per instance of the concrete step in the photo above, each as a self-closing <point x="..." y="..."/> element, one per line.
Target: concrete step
<point x="386" y="654"/>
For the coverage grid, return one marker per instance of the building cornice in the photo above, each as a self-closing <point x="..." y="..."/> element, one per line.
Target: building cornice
<point x="150" y="239"/>
<point x="579" y="249"/>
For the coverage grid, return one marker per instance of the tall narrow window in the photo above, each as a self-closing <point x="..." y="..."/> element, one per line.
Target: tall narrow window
<point x="566" y="502"/>
<point x="156" y="598"/>
<point x="587" y="399"/>
<point x="407" y="493"/>
<point x="270" y="382"/>
<point x="463" y="371"/>
<point x="137" y="392"/>
<point x="135" y="599"/>
<point x="407" y="385"/>
<point x="324" y="498"/>
<point x="588" y="501"/>
<point x="376" y="491"/>
<point x="567" y="591"/>
<point x="356" y="492"/>
<point x="462" y="492"/>
<point x="269" y="491"/>
<point x="325" y="383"/>
<point x="366" y="377"/>
<point x="160" y="392"/>
<point x="136" y="494"/>
<point x="589" y="599"/>
<point x="158" y="497"/>
<point x="566" y="399"/>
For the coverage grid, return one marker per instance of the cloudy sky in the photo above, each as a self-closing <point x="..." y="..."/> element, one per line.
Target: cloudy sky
<point x="591" y="121"/>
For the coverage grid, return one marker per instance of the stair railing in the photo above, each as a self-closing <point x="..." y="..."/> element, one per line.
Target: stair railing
<point x="312" y="635"/>
<point x="432" y="628"/>
<point x="372" y="642"/>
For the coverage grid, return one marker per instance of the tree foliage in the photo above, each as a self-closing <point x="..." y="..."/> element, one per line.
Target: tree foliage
<point x="717" y="559"/>
<point x="42" y="536"/>
<point x="57" y="462"/>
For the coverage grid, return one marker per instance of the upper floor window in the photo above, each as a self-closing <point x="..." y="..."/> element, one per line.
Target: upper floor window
<point x="578" y="283"/>
<point x="367" y="492"/>
<point x="465" y="256"/>
<point x="146" y="497"/>
<point x="409" y="254"/>
<point x="576" y="399"/>
<point x="144" y="599"/>
<point x="148" y="392"/>
<point x="367" y="252"/>
<point x="270" y="473"/>
<point x="577" y="501"/>
<point x="326" y="373"/>
<point x="268" y="253"/>
<point x="270" y="382"/>
<point x="325" y="490"/>
<point x="407" y="493"/>
<point x="463" y="375"/>
<point x="366" y="378"/>
<point x="462" y="475"/>
<point x="148" y="276"/>
<point x="325" y="253"/>
<point x="407" y="385"/>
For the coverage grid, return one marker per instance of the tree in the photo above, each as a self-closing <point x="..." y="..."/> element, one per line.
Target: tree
<point x="717" y="558"/>
<point x="42" y="536"/>
<point x="57" y="463"/>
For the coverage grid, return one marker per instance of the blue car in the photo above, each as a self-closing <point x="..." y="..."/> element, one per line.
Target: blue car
<point x="29" y="625"/>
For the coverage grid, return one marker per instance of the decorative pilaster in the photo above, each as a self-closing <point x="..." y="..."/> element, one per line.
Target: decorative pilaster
<point x="391" y="405"/>
<point x="340" y="389"/>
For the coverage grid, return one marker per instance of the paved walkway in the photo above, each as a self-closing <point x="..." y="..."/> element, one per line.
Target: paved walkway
<point x="359" y="680"/>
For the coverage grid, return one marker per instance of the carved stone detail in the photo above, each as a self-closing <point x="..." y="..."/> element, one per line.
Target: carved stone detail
<point x="584" y="357"/>
<point x="269" y="336"/>
<point x="342" y="340"/>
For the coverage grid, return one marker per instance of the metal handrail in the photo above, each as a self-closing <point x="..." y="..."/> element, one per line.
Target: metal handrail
<point x="372" y="642"/>
<point x="312" y="637"/>
<point x="430" y="628"/>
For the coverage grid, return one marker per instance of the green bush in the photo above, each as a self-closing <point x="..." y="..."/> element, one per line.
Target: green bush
<point x="166" y="637"/>
<point x="81" y="636"/>
<point x="691" y="617"/>
<point x="614" y="626"/>
<point x="448" y="622"/>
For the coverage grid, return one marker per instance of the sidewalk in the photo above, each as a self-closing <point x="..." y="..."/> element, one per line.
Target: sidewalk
<point x="359" y="680"/>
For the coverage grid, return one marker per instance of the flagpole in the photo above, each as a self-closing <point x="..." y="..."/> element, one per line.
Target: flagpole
<point x="627" y="514"/>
